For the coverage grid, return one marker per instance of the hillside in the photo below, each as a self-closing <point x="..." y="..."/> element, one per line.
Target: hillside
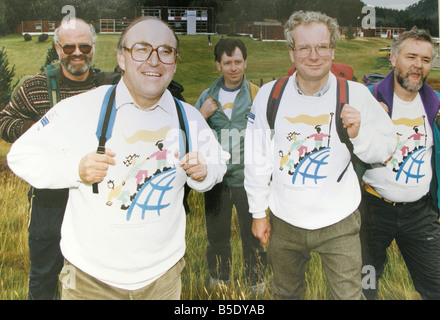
<point x="427" y="9"/>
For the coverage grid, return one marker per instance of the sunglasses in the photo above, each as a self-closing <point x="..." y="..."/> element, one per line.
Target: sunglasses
<point x="70" y="48"/>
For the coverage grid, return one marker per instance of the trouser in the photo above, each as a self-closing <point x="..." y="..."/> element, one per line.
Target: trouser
<point x="338" y="246"/>
<point x="46" y="212"/>
<point x="415" y="228"/>
<point x="218" y="211"/>
<point x="81" y="286"/>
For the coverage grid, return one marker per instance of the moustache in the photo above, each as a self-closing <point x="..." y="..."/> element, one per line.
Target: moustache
<point x="83" y="57"/>
<point x="418" y="71"/>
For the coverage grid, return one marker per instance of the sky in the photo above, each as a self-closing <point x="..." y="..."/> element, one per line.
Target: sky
<point x="392" y="4"/>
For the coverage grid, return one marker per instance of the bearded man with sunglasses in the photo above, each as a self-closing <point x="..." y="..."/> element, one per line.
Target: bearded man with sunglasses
<point x="74" y="42"/>
<point x="123" y="234"/>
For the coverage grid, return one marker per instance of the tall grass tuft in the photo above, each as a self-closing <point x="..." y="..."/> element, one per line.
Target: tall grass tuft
<point x="14" y="253"/>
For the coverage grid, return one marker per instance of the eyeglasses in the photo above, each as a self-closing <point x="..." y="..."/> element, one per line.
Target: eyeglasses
<point x="142" y="51"/>
<point x="322" y="49"/>
<point x="70" y="48"/>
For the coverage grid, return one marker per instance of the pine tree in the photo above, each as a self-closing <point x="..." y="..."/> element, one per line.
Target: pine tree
<point x="6" y="76"/>
<point x="51" y="55"/>
<point x="350" y="33"/>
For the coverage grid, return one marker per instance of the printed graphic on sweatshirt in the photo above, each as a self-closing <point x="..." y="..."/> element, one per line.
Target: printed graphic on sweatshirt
<point x="149" y="177"/>
<point x="307" y="157"/>
<point x="407" y="161"/>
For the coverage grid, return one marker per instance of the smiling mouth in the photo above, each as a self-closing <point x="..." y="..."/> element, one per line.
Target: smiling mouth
<point x="151" y="74"/>
<point x="77" y="60"/>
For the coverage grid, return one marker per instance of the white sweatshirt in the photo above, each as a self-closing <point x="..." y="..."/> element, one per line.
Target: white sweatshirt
<point x="295" y="172"/>
<point x="133" y="230"/>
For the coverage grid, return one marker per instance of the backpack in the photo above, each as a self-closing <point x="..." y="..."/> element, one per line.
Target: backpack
<point x="107" y="119"/>
<point x="52" y="73"/>
<point x="253" y="88"/>
<point x="372" y="78"/>
<point x="341" y="99"/>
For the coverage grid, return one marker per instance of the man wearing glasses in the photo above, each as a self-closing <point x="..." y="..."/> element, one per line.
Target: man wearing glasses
<point x="74" y="43"/>
<point x="313" y="207"/>
<point x="124" y="239"/>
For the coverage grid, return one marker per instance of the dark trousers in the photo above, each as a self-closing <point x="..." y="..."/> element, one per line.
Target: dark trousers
<point x="218" y="211"/>
<point x="46" y="210"/>
<point x="416" y="230"/>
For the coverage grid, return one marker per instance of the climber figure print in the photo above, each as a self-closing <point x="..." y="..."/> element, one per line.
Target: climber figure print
<point x="410" y="153"/>
<point x="309" y="148"/>
<point x="149" y="174"/>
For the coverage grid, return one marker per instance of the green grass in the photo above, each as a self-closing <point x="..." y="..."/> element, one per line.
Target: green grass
<point x="196" y="71"/>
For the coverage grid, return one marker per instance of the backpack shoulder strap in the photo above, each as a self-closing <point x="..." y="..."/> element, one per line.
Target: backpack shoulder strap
<point x="105" y="123"/>
<point x="52" y="74"/>
<point x="185" y="142"/>
<point x="274" y="100"/>
<point x="253" y="88"/>
<point x="342" y="97"/>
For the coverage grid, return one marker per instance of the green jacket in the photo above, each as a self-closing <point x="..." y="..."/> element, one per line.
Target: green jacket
<point x="234" y="141"/>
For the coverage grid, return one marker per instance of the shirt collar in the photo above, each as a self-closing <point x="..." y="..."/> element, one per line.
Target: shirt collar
<point x="230" y="90"/>
<point x="320" y="93"/>
<point x="123" y="97"/>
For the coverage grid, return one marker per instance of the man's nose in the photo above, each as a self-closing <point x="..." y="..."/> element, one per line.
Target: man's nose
<point x="418" y="62"/>
<point x="77" y="52"/>
<point x="313" y="53"/>
<point x="153" y="59"/>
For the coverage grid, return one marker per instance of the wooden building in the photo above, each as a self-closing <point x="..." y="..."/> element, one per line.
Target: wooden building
<point x="265" y="30"/>
<point x="38" y="27"/>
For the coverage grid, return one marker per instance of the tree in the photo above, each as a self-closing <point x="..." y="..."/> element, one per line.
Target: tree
<point x="6" y="76"/>
<point x="51" y="55"/>
<point x="350" y="33"/>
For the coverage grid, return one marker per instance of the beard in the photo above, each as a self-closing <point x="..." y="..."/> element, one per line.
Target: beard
<point x="77" y="69"/>
<point x="405" y="83"/>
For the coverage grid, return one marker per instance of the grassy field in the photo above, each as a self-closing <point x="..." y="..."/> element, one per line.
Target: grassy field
<point x="196" y="71"/>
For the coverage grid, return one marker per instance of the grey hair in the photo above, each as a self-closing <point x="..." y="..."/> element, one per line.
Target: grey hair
<point x="413" y="34"/>
<point x="306" y="17"/>
<point x="72" y="20"/>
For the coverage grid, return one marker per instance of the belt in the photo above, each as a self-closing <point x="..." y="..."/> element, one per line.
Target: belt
<point x="373" y="192"/>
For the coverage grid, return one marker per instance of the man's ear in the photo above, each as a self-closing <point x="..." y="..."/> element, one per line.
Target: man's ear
<point x="292" y="58"/>
<point x="393" y="60"/>
<point x="58" y="50"/>
<point x="218" y="66"/>
<point x="121" y="60"/>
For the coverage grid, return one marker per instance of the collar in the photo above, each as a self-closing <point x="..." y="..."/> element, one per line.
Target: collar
<point x="231" y="90"/>
<point x="214" y="90"/>
<point x="123" y="97"/>
<point x="320" y="93"/>
<point x="384" y="92"/>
